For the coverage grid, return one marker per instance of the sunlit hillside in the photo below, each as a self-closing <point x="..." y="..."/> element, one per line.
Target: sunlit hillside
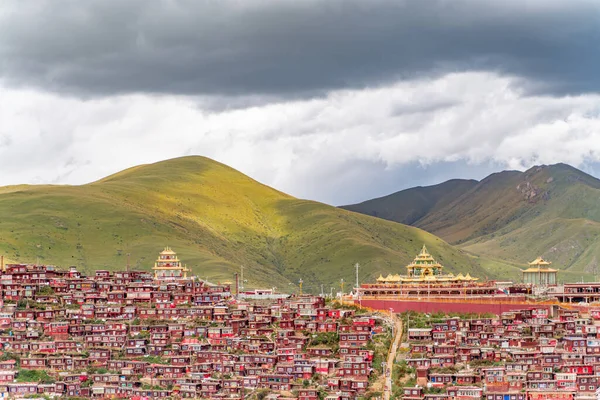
<point x="217" y="219"/>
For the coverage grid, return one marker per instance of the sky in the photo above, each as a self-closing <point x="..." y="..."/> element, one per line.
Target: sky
<point x="332" y="100"/>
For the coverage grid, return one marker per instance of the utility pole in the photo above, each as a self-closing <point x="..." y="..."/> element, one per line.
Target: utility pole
<point x="242" y="283"/>
<point x="237" y="286"/>
<point x="357" y="266"/>
<point x="330" y="291"/>
<point x="342" y="285"/>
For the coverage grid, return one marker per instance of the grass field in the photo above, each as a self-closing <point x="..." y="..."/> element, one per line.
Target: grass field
<point x="217" y="219"/>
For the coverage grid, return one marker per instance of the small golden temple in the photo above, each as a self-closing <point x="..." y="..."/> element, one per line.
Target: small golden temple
<point x="540" y="273"/>
<point x="425" y="269"/>
<point x="168" y="266"/>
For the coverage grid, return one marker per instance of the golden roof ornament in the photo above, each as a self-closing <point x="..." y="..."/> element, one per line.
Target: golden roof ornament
<point x="167" y="251"/>
<point x="540" y="261"/>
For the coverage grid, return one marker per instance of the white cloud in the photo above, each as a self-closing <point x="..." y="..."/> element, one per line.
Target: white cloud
<point x="303" y="147"/>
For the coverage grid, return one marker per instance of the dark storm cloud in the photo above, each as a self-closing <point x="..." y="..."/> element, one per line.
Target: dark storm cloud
<point x="292" y="48"/>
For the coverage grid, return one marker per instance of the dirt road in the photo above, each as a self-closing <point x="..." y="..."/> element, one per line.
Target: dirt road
<point x="387" y="391"/>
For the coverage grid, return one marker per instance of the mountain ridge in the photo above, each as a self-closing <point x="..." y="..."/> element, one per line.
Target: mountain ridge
<point x="513" y="216"/>
<point x="423" y="194"/>
<point x="217" y="219"/>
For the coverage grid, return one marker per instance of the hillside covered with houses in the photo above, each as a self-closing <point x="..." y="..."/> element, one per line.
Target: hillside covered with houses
<point x="131" y="335"/>
<point x="532" y="354"/>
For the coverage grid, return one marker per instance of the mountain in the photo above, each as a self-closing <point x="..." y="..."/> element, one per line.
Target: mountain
<point x="216" y="219"/>
<point x="510" y="217"/>
<point x="410" y="205"/>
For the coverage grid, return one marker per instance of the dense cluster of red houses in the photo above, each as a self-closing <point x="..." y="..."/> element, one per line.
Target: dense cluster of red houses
<point x="126" y="334"/>
<point x="520" y="355"/>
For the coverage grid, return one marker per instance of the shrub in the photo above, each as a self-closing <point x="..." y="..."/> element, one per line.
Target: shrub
<point x="25" y="375"/>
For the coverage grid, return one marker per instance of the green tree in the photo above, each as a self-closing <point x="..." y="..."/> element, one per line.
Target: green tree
<point x="45" y="291"/>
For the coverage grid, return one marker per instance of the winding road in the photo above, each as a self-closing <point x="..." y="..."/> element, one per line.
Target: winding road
<point x="387" y="391"/>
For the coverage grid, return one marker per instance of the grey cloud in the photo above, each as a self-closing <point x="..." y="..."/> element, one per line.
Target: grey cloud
<point x="292" y="48"/>
<point x="343" y="148"/>
<point x="5" y="140"/>
<point x="431" y="106"/>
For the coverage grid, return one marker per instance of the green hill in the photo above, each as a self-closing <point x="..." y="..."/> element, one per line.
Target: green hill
<point x="410" y="205"/>
<point x="511" y="217"/>
<point x="216" y="219"/>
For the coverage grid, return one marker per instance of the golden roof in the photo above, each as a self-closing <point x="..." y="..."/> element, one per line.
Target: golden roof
<point x="425" y="261"/>
<point x="392" y="278"/>
<point x="167" y="251"/>
<point x="540" y="261"/>
<point x="533" y="269"/>
<point x="424" y="255"/>
<point x="540" y="265"/>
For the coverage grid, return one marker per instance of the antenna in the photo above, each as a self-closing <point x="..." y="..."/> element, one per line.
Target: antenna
<point x="300" y="282"/>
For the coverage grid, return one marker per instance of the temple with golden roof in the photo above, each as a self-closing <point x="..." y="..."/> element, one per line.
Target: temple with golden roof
<point x="425" y="277"/>
<point x="168" y="266"/>
<point x="425" y="268"/>
<point x="540" y="273"/>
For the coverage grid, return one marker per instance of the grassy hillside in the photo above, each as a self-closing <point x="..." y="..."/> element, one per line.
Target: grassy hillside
<point x="512" y="217"/>
<point x="410" y="205"/>
<point x="216" y="219"/>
